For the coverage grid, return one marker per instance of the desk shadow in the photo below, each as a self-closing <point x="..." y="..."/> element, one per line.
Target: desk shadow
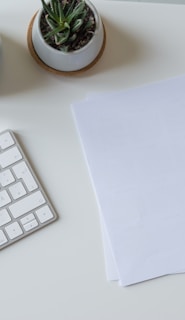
<point x="121" y="48"/>
<point x="17" y="73"/>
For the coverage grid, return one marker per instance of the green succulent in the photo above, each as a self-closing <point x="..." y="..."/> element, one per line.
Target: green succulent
<point x="65" y="19"/>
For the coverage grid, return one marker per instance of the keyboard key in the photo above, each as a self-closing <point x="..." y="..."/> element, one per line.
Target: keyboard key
<point x="17" y="190"/>
<point x="4" y="198"/>
<point x="27" y="204"/>
<point x="4" y="217"/>
<point x="9" y="157"/>
<point x="30" y="225"/>
<point x="6" y="140"/>
<point x="13" y="230"/>
<point x="3" y="238"/>
<point x="44" y="214"/>
<point x="22" y="171"/>
<point x="27" y="218"/>
<point x="6" y="177"/>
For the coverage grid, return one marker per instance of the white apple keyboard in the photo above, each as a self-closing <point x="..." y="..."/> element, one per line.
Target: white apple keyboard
<point x="24" y="206"/>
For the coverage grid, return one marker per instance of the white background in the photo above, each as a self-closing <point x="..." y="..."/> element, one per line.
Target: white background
<point x="58" y="273"/>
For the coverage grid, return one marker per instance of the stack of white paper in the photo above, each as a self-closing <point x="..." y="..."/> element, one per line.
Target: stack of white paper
<point x="134" y="144"/>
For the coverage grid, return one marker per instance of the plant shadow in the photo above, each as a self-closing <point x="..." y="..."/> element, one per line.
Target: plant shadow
<point x="121" y="48"/>
<point x="18" y="73"/>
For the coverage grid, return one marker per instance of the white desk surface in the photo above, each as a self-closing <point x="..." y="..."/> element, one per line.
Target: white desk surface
<point x="58" y="273"/>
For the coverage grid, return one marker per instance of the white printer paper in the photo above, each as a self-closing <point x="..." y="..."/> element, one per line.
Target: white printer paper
<point x="134" y="143"/>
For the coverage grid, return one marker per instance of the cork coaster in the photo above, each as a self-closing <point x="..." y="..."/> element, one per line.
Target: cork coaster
<point x="46" y="67"/>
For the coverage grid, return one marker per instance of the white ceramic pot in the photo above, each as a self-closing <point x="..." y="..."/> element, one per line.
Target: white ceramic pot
<point x="68" y="61"/>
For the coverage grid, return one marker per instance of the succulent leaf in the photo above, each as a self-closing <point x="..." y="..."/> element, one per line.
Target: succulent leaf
<point x="76" y="11"/>
<point x="70" y="8"/>
<point x="60" y="12"/>
<point x="61" y="38"/>
<point x="77" y="25"/>
<point x="49" y="11"/>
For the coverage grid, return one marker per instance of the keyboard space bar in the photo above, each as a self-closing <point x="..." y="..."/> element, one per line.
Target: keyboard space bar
<point x="27" y="204"/>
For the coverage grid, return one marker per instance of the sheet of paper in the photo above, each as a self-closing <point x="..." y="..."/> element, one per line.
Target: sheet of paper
<point x="110" y="263"/>
<point x="134" y="143"/>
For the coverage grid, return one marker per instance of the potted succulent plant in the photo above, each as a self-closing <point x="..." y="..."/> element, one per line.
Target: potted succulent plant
<point x="66" y="35"/>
